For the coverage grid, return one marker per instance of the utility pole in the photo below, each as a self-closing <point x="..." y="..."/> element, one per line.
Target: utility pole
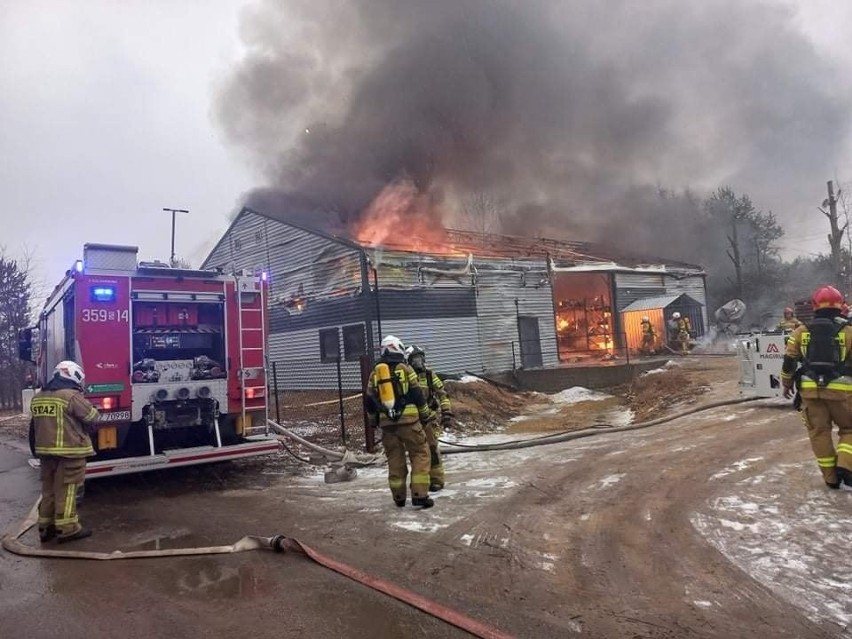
<point x="836" y="236"/>
<point x="173" y="212"/>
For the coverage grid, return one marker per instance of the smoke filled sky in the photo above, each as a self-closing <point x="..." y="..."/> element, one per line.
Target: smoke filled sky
<point x="112" y="111"/>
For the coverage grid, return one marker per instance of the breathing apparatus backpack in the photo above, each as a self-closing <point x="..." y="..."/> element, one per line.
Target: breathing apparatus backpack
<point x="392" y="398"/>
<point x="823" y="350"/>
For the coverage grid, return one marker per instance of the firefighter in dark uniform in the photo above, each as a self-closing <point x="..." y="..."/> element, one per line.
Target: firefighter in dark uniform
<point x="398" y="406"/>
<point x="60" y="416"/>
<point x="438" y="401"/>
<point x="823" y="346"/>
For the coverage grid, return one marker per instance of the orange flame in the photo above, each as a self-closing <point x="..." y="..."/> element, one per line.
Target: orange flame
<point x="403" y="218"/>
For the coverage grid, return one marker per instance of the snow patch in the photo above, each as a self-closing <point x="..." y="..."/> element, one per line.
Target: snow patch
<point x="703" y="604"/>
<point x="468" y="379"/>
<point x="577" y="394"/>
<point x="788" y="537"/>
<point x="743" y="464"/>
<point x="611" y="480"/>
<point x="419" y="526"/>
<point x="490" y="482"/>
<point x="466" y="539"/>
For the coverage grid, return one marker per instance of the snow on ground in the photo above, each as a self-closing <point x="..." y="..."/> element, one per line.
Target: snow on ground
<point x="743" y="464"/>
<point x="468" y="379"/>
<point x="577" y="394"/>
<point x="793" y="540"/>
<point x="665" y="368"/>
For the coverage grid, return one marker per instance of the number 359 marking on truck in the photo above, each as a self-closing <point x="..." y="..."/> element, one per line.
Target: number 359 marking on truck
<point x="102" y="315"/>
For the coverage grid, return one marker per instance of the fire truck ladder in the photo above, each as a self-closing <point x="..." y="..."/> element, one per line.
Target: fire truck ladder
<point x="242" y="330"/>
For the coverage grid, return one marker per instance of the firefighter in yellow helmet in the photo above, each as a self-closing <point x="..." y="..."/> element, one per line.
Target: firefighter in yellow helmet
<point x="438" y="401"/>
<point x="398" y="406"/>
<point x="60" y="416"/>
<point x="649" y="337"/>
<point x="821" y="349"/>
<point x="789" y="323"/>
<point x="682" y="328"/>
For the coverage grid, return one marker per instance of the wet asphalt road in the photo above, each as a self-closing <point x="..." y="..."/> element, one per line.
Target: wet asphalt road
<point x="258" y="594"/>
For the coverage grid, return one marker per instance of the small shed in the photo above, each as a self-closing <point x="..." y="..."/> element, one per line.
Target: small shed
<point x="658" y="310"/>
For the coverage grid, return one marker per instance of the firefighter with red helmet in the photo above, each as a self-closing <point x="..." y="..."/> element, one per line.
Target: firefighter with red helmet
<point x="821" y="351"/>
<point x="60" y="416"/>
<point x="438" y="401"/>
<point x="397" y="405"/>
<point x="789" y="323"/>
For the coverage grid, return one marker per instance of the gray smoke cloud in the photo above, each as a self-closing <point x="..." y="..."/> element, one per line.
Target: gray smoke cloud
<point x="568" y="112"/>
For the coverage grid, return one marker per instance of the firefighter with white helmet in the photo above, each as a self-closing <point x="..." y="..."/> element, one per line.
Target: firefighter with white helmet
<point x="398" y="406"/>
<point x="438" y="400"/>
<point x="681" y="330"/>
<point x="649" y="337"/>
<point x="61" y="414"/>
<point x="821" y="349"/>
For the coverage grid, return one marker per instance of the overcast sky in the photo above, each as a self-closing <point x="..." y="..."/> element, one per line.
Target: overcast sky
<point x="107" y="117"/>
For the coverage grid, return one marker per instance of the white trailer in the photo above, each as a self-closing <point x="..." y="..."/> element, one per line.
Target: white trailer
<point x="760" y="356"/>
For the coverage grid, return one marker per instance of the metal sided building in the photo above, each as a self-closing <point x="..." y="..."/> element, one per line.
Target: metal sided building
<point x="478" y="302"/>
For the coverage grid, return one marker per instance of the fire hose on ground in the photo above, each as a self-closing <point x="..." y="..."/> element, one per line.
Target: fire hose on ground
<point x="278" y="543"/>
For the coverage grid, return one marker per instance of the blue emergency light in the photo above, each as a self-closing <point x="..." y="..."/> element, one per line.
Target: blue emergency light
<point x="103" y="293"/>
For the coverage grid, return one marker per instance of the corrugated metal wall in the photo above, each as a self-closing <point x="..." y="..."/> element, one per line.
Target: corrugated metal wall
<point x="692" y="285"/>
<point x="451" y="344"/>
<point x="632" y="326"/>
<point x="298" y="365"/>
<point x="630" y="287"/>
<point x="498" y="323"/>
<point x="405" y="270"/>
<point x="300" y="264"/>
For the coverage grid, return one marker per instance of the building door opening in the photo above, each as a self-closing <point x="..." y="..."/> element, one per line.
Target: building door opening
<point x="530" y="340"/>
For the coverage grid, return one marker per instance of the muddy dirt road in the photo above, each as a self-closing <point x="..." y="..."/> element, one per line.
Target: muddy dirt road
<point x="711" y="526"/>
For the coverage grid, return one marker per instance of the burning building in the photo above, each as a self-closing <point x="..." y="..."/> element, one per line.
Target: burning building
<point x="477" y="302"/>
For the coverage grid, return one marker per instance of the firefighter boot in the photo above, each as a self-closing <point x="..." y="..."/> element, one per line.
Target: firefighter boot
<point x="844" y="477"/>
<point x="424" y="502"/>
<point x="47" y="533"/>
<point x="400" y="503"/>
<point x="80" y="534"/>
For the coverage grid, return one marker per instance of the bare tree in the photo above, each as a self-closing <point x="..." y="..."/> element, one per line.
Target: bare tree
<point x="14" y="316"/>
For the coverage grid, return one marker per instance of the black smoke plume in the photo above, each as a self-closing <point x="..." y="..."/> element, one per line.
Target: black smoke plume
<point x="569" y="113"/>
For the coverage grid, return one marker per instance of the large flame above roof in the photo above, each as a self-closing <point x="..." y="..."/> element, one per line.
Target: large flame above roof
<point x="403" y="218"/>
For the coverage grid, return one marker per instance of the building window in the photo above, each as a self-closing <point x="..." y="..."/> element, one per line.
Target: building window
<point x="237" y="244"/>
<point x="329" y="344"/>
<point x="354" y="342"/>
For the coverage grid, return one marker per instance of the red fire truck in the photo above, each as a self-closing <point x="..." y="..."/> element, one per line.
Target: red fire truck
<point x="175" y="359"/>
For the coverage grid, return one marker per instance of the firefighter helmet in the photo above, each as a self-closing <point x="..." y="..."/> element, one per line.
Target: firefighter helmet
<point x="675" y="315"/>
<point x="391" y="344"/>
<point x="71" y="371"/>
<point x="827" y="297"/>
<point x="416" y="356"/>
<point x="645" y="318"/>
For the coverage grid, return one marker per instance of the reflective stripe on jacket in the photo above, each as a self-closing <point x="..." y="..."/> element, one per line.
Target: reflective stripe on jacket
<point x="796" y="349"/>
<point x="436" y="388"/>
<point x="60" y="417"/>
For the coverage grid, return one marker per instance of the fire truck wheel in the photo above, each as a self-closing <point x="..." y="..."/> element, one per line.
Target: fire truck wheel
<point x="228" y="430"/>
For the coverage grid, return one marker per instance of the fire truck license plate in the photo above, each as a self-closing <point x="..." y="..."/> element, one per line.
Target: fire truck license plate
<point x="116" y="416"/>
